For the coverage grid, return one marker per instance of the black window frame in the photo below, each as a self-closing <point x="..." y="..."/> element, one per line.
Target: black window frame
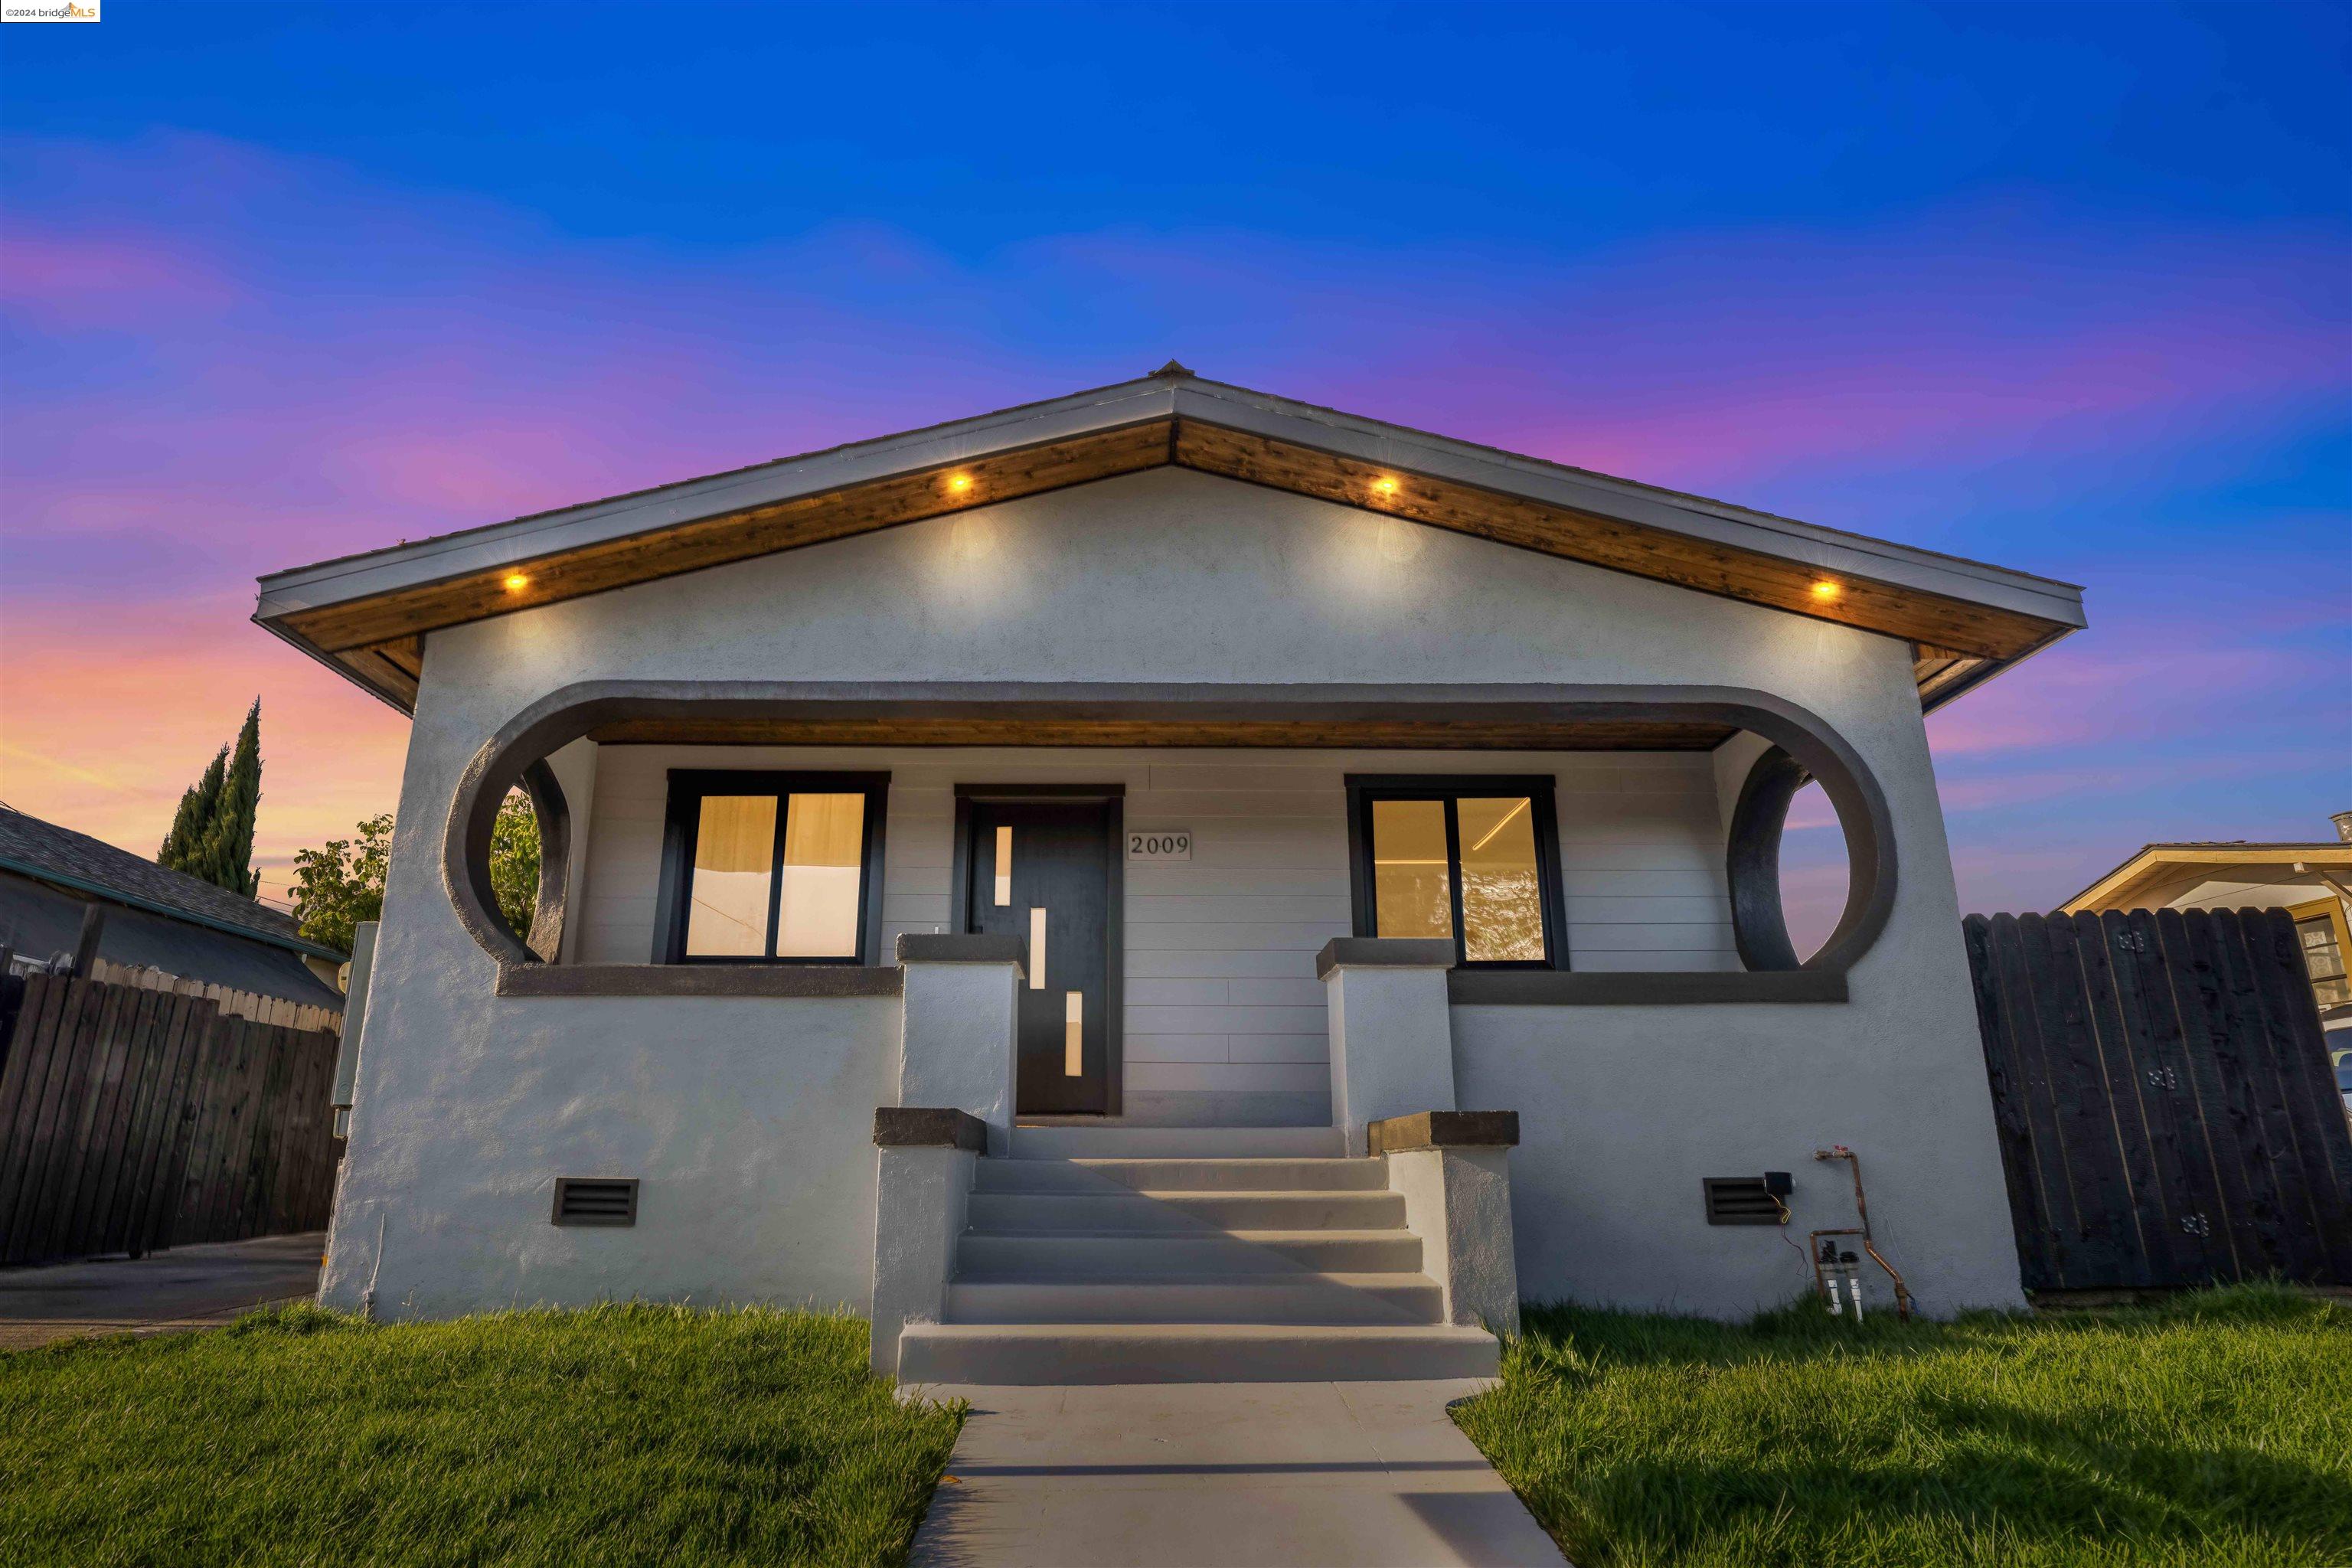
<point x="1363" y="789"/>
<point x="682" y="823"/>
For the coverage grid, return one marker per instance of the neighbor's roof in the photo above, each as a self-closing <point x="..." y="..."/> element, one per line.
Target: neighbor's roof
<point x="366" y="614"/>
<point x="2153" y="863"/>
<point x="41" y="921"/>
<point x="42" y="850"/>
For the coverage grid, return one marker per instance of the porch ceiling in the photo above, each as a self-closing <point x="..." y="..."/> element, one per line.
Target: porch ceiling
<point x="367" y="615"/>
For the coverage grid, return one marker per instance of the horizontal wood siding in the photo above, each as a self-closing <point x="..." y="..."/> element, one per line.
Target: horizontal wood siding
<point x="1220" y="990"/>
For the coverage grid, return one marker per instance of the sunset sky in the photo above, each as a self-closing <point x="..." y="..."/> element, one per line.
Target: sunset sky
<point x="2066" y="289"/>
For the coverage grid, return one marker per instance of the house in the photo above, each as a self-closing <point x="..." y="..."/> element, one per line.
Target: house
<point x="56" y="884"/>
<point x="1127" y="811"/>
<point x="2312" y="881"/>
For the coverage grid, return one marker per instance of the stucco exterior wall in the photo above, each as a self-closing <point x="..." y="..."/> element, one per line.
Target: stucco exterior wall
<point x="471" y="1104"/>
<point x="1625" y="1109"/>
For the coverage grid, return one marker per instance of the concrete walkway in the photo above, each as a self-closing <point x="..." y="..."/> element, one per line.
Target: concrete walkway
<point x="186" y="1288"/>
<point x="1298" y="1475"/>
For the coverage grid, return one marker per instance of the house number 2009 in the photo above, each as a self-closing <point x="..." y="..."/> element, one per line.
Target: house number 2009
<point x="1167" y="844"/>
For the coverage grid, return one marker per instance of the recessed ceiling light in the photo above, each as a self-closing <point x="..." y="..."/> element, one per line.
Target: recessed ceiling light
<point x="517" y="581"/>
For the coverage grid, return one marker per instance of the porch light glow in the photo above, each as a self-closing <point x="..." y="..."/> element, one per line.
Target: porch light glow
<point x="1399" y="541"/>
<point x="517" y="581"/>
<point x="959" y="482"/>
<point x="1385" y="485"/>
<point x="1826" y="590"/>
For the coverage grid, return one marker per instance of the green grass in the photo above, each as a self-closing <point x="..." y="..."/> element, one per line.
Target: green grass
<point x="2214" y="1430"/>
<point x="619" y="1435"/>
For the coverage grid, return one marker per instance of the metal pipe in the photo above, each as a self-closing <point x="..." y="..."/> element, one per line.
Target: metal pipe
<point x="1862" y="1207"/>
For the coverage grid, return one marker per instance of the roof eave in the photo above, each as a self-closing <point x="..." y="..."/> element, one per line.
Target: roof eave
<point x="2149" y="860"/>
<point x="522" y="539"/>
<point x="171" y="911"/>
<point x="497" y="546"/>
<point x="395" y="700"/>
<point x="1446" y="456"/>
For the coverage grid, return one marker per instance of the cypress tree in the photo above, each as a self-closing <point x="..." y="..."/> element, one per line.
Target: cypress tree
<point x="198" y="806"/>
<point x="212" y="833"/>
<point x="228" y="842"/>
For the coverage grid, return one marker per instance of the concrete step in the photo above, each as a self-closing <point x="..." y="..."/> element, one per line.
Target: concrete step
<point x="1245" y="1299"/>
<point x="1105" y="1213"/>
<point x="1114" y="1142"/>
<point x="1190" y="1352"/>
<point x="1254" y="1175"/>
<point x="1077" y="1256"/>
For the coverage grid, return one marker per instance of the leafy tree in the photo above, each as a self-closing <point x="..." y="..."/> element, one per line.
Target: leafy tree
<point x="340" y="885"/>
<point x="211" y="832"/>
<point x="514" y="861"/>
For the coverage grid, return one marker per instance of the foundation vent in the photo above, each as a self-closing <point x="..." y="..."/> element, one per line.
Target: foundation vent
<point x="1739" y="1200"/>
<point x="595" y="1200"/>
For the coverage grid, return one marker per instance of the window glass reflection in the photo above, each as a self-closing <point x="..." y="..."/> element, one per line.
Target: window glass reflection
<point x="1412" y="896"/>
<point x="734" y="861"/>
<point x="825" y="841"/>
<point x="1502" y="904"/>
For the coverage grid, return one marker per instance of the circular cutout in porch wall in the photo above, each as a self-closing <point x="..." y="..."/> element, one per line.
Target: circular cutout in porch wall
<point x="1814" y="870"/>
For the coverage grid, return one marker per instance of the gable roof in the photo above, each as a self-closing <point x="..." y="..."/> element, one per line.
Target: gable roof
<point x="365" y="615"/>
<point x="2153" y="864"/>
<point x="47" y="852"/>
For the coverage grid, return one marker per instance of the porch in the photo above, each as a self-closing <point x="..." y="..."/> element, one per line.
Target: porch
<point x="1566" y="846"/>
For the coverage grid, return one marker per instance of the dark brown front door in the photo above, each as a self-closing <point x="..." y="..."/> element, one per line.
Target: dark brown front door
<point x="1041" y="870"/>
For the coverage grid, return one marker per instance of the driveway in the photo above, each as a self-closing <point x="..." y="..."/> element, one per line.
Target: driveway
<point x="186" y="1288"/>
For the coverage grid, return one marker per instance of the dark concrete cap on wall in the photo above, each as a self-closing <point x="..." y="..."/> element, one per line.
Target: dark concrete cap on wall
<point x="920" y="947"/>
<point x="803" y="980"/>
<point x="929" y="1127"/>
<point x="1444" y="1130"/>
<point x="1383" y="952"/>
<point x="1558" y="988"/>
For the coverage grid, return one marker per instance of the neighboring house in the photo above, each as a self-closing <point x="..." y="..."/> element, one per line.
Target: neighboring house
<point x="2312" y="881"/>
<point x="1173" y="770"/>
<point x="51" y="877"/>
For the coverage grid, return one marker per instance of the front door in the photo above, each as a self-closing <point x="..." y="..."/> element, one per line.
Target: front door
<point x="1041" y="870"/>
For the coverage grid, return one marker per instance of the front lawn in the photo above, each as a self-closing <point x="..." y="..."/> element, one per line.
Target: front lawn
<point x="2215" y="1430"/>
<point x="620" y="1435"/>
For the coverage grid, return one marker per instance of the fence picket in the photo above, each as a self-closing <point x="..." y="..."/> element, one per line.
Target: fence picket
<point x="2165" y="1074"/>
<point x="133" y="1114"/>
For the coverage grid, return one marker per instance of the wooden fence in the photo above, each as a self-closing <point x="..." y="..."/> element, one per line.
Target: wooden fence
<point x="132" y="1120"/>
<point x="2166" y="1109"/>
<point x="243" y="1004"/>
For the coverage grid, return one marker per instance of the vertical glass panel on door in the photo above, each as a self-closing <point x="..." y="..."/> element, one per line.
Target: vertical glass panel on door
<point x="1037" y="949"/>
<point x="1502" y="902"/>
<point x="734" y="865"/>
<point x="1003" y="866"/>
<point x="824" y="851"/>
<point x="1410" y="897"/>
<point x="1073" y="1034"/>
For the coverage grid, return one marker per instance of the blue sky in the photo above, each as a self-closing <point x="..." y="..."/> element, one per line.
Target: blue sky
<point x="2060" y="287"/>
